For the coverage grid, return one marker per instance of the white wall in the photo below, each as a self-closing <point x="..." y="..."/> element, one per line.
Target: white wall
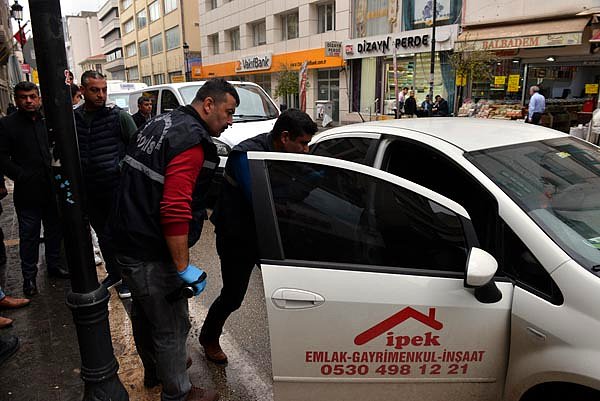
<point x="493" y="11"/>
<point x="84" y="40"/>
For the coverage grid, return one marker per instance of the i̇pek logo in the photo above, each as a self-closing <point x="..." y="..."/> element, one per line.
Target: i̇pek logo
<point x="403" y="354"/>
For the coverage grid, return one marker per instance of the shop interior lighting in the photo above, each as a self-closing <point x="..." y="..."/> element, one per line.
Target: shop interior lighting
<point x="516" y="60"/>
<point x="550" y="58"/>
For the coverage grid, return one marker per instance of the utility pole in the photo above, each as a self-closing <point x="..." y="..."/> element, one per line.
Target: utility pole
<point x="432" y="67"/>
<point x="87" y="299"/>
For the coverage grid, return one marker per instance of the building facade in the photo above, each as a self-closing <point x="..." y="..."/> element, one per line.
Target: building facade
<point x="154" y="33"/>
<point x="83" y="40"/>
<point x="110" y="32"/>
<point x="256" y="40"/>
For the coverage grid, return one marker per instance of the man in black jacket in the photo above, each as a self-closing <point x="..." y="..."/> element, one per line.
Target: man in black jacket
<point x="234" y="221"/>
<point x="25" y="158"/>
<point x="103" y="133"/>
<point x="144" y="112"/>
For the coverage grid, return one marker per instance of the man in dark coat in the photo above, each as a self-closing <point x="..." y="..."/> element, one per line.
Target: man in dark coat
<point x="234" y="221"/>
<point x="144" y="113"/>
<point x="25" y="158"/>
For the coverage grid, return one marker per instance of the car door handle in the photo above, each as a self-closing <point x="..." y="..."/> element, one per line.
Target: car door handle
<point x="536" y="333"/>
<point x="289" y="298"/>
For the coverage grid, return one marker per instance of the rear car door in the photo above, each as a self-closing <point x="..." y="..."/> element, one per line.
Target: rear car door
<point x="364" y="282"/>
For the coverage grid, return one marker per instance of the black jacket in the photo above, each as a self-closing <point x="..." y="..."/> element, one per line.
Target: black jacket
<point x="139" y="119"/>
<point x="25" y="158"/>
<point x="410" y="105"/>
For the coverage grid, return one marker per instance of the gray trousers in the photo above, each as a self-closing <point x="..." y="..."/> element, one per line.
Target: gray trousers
<point x="160" y="327"/>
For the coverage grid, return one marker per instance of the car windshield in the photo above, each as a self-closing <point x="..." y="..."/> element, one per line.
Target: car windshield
<point x="557" y="182"/>
<point x="120" y="99"/>
<point x="254" y="104"/>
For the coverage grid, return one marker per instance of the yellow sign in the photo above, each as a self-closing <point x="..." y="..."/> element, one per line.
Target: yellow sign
<point x="178" y="78"/>
<point x="196" y="71"/>
<point x="500" y="80"/>
<point x="461" y="80"/>
<point x="513" y="83"/>
<point x="34" y="77"/>
<point x="591" y="89"/>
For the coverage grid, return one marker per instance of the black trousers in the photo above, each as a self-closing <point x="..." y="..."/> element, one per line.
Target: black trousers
<point x="99" y="206"/>
<point x="535" y="118"/>
<point x="238" y="258"/>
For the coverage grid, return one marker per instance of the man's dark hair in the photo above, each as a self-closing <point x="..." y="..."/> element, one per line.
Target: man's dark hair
<point x="296" y="122"/>
<point x="143" y="99"/>
<point x="406" y="87"/>
<point x="25" y="86"/>
<point x="216" y="88"/>
<point x="90" y="74"/>
<point x="74" y="89"/>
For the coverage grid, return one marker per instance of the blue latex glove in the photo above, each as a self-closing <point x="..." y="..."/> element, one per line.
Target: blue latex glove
<point x="190" y="275"/>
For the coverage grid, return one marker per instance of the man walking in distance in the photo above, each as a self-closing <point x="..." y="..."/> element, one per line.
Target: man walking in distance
<point x="103" y="133"/>
<point x="537" y="106"/>
<point x="144" y="112"/>
<point x="234" y="221"/>
<point x="166" y="175"/>
<point x="25" y="158"/>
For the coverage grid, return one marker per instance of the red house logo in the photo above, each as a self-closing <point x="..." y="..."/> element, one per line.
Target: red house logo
<point x="398" y="318"/>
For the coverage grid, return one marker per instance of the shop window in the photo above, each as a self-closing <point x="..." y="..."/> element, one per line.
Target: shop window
<point x="264" y="81"/>
<point x="326" y="17"/>
<point x="328" y="88"/>
<point x="324" y="209"/>
<point x="144" y="49"/>
<point x="234" y="38"/>
<point x="142" y="19"/>
<point x="289" y="26"/>
<point x="417" y="14"/>
<point x="259" y="33"/>
<point x="168" y="101"/>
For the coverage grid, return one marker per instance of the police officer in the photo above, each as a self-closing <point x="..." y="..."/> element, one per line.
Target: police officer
<point x="166" y="174"/>
<point x="234" y="221"/>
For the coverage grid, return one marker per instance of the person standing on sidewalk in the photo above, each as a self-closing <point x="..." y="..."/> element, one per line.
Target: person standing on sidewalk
<point x="103" y="133"/>
<point x="234" y="222"/>
<point x="25" y="158"/>
<point x="537" y="106"/>
<point x="160" y="205"/>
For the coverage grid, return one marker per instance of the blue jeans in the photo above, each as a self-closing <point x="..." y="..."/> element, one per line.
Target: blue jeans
<point x="160" y="328"/>
<point x="30" y="220"/>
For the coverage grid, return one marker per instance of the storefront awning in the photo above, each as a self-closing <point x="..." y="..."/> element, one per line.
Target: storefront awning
<point x="529" y="35"/>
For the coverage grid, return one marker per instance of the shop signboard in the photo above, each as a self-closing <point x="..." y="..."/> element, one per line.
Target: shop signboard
<point x="591" y="89"/>
<point x="499" y="80"/>
<point x="333" y="49"/>
<point x="178" y="78"/>
<point x="254" y="63"/>
<point x="513" y="83"/>
<point x="461" y="80"/>
<point x="522" y="42"/>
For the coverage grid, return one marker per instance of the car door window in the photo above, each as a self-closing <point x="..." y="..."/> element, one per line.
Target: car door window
<point x="329" y="214"/>
<point x="358" y="150"/>
<point x="168" y="101"/>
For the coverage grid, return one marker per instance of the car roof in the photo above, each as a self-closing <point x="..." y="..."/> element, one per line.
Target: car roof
<point x="468" y="134"/>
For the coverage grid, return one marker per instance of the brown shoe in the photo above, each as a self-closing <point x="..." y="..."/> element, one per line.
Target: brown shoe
<point x="199" y="394"/>
<point x="5" y="322"/>
<point x="9" y="302"/>
<point x="213" y="351"/>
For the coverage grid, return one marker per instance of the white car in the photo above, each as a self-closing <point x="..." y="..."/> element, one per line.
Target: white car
<point x="433" y="260"/>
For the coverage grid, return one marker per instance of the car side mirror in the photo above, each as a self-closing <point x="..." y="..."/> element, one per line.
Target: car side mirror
<point x="481" y="268"/>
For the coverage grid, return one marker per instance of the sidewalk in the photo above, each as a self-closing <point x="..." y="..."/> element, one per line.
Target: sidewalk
<point x="47" y="365"/>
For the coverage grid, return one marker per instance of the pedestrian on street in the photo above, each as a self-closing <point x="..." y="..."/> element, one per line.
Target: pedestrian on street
<point x="25" y="158"/>
<point x="103" y="133"/>
<point x="144" y="113"/>
<point x="440" y="107"/>
<point x="401" y="99"/>
<point x="537" y="106"/>
<point x="410" y="105"/>
<point x="234" y="222"/>
<point x="426" y="106"/>
<point x="166" y="175"/>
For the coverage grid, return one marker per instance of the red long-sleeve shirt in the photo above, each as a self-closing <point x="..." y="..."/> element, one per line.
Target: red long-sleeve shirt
<point x="180" y="178"/>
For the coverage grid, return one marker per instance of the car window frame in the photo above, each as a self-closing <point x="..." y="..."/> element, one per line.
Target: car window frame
<point x="371" y="151"/>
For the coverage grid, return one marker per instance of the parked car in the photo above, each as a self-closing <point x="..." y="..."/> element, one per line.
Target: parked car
<point x="432" y="259"/>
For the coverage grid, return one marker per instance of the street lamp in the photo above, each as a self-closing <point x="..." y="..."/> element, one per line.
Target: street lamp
<point x="16" y="12"/>
<point x="186" y="53"/>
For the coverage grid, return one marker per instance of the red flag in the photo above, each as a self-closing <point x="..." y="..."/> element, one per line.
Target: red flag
<point x="302" y="84"/>
<point x="20" y="36"/>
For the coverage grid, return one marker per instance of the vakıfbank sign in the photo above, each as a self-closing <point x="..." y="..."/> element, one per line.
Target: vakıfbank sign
<point x="254" y="63"/>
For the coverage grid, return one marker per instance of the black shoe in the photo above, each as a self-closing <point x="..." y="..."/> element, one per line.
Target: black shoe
<point x="8" y="346"/>
<point x="30" y="287"/>
<point x="123" y="291"/>
<point x="110" y="281"/>
<point x="58" y="272"/>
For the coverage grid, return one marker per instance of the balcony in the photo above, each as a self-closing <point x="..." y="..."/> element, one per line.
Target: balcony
<point x="109" y="26"/>
<point x="112" y="45"/>
<point x="109" y="5"/>
<point x="115" y="65"/>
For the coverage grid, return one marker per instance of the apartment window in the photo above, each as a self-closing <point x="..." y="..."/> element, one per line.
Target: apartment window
<point x="159" y="79"/>
<point x="214" y="42"/>
<point x="142" y="19"/>
<point x="157" y="44"/>
<point x="169" y="5"/>
<point x="115" y="55"/>
<point x="289" y="26"/>
<point x="125" y="4"/>
<point x="234" y="36"/>
<point x="172" y="38"/>
<point x="128" y="26"/>
<point x="147" y="79"/>
<point x="326" y="18"/>
<point x="154" y="10"/>
<point x="134" y="73"/>
<point x="144" y="49"/>
<point x="130" y="50"/>
<point x="212" y="4"/>
<point x="259" y="33"/>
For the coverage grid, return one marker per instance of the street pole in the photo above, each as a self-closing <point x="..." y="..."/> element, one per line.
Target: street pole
<point x="87" y="299"/>
<point x="432" y="66"/>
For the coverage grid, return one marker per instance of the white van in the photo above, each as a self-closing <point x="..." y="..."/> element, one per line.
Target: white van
<point x="255" y="115"/>
<point x="118" y="92"/>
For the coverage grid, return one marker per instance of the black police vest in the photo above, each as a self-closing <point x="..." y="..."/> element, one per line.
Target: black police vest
<point x="135" y="223"/>
<point x="233" y="215"/>
<point x="101" y="147"/>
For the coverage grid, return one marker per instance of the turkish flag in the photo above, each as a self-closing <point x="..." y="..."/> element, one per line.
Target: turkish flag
<point x="20" y="36"/>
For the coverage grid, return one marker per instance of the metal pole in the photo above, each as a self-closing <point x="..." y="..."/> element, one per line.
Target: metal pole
<point x="432" y="68"/>
<point x="396" y="91"/>
<point x="88" y="300"/>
